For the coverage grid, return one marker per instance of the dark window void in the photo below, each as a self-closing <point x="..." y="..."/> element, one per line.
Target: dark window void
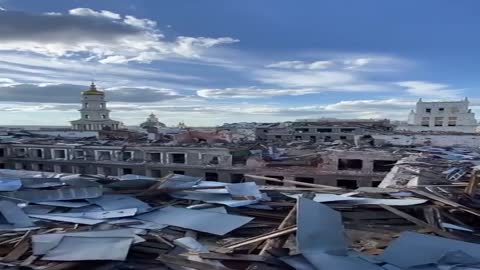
<point x="127" y="171"/>
<point x="59" y="153"/>
<point x="157" y="157"/>
<point x="209" y="176"/>
<point x="278" y="136"/>
<point x="65" y="169"/>
<point x="237" y="178"/>
<point x="298" y="137"/>
<point x="308" y="180"/>
<point x="301" y="130"/>
<point x="376" y="183"/>
<point x="2" y="152"/>
<point x="82" y="169"/>
<point x="178" y="158"/>
<point x="125" y="156"/>
<point x="38" y="153"/>
<point x="343" y="137"/>
<point x="214" y="161"/>
<point x="2" y="165"/>
<point x="313" y="139"/>
<point x="274" y="183"/>
<point x="107" y="171"/>
<point x="347" y="183"/>
<point x="441" y="109"/>
<point x="383" y="165"/>
<point x="428" y="110"/>
<point x="156" y="173"/>
<point x="350" y="164"/>
<point x="40" y="167"/>
<point x="179" y="172"/>
<point x="324" y="130"/>
<point x="347" y="130"/>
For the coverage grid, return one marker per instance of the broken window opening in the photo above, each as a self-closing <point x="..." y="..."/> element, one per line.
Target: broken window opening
<point x="350" y="164"/>
<point x="383" y="165"/>
<point x="156" y="173"/>
<point x="179" y="172"/>
<point x="156" y="157"/>
<point x="347" y="130"/>
<point x="178" y="158"/>
<point x="127" y="171"/>
<point x="347" y="183"/>
<point x="211" y="176"/>
<point x="59" y="154"/>
<point x="214" y="161"/>
<point x="375" y="183"/>
<point x="309" y="180"/>
<point x="104" y="155"/>
<point x="237" y="178"/>
<point x="324" y="130"/>
<point x="274" y="183"/>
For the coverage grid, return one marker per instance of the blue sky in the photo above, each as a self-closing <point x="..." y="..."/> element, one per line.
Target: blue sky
<point x="215" y="61"/>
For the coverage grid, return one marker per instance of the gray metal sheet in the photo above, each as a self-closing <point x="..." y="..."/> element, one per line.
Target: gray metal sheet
<point x="224" y="199"/>
<point x="60" y="194"/>
<point x="41" y="182"/>
<point x="245" y="190"/>
<point x="320" y="238"/>
<point x="180" y="181"/>
<point x="76" y="220"/>
<point x="414" y="249"/>
<point x="13" y="216"/>
<point x="73" y="248"/>
<point x="68" y="204"/>
<point x="198" y="220"/>
<point x="114" y="202"/>
<point x="10" y="184"/>
<point x="190" y="244"/>
<point x="42" y="243"/>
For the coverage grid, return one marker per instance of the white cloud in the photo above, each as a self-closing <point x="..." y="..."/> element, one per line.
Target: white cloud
<point x="301" y="65"/>
<point x="91" y="12"/>
<point x="252" y="92"/>
<point x="430" y="90"/>
<point x="100" y="35"/>
<point x="140" y="23"/>
<point x="305" y="78"/>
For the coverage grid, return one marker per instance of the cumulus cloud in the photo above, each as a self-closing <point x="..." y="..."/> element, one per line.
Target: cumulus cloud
<point x="430" y="90"/>
<point x="101" y="35"/>
<point x="301" y="65"/>
<point x="252" y="92"/>
<point x="65" y="93"/>
<point x="91" y="12"/>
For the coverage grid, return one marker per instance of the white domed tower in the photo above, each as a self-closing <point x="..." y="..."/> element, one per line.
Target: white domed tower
<point x="94" y="113"/>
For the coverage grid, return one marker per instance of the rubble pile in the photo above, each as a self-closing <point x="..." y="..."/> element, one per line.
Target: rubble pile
<point x="58" y="221"/>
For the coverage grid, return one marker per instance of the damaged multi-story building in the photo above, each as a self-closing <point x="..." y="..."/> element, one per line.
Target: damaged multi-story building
<point x="319" y="130"/>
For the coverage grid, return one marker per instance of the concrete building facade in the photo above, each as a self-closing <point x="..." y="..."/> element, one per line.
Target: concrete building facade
<point x="94" y="114"/>
<point x="319" y="130"/>
<point x="343" y="168"/>
<point x="454" y="116"/>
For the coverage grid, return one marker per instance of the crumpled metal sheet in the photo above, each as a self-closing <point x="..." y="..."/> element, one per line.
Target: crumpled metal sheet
<point x="41" y="182"/>
<point x="43" y="243"/>
<point x="10" y="184"/>
<point x="89" y="249"/>
<point x="414" y="249"/>
<point x="60" y="194"/>
<point x="197" y="220"/>
<point x="13" y="217"/>
<point x="115" y="202"/>
<point x="321" y="239"/>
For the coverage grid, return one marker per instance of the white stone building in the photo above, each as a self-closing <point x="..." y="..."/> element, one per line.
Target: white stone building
<point x="453" y="116"/>
<point x="94" y="113"/>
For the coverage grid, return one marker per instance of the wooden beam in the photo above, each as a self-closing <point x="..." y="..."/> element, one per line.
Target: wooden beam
<point x="418" y="222"/>
<point x="262" y="237"/>
<point x="446" y="201"/>
<point x="292" y="182"/>
<point x="471" y="188"/>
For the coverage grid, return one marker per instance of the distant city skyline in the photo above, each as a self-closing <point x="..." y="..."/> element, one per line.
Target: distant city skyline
<point x="206" y="63"/>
